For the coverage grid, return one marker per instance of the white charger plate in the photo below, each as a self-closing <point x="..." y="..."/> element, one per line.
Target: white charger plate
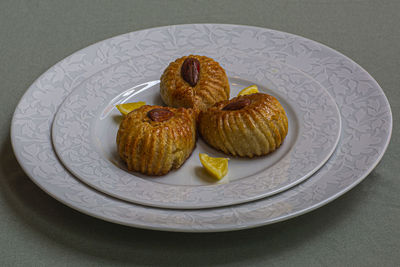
<point x="84" y="139"/>
<point x="365" y="112"/>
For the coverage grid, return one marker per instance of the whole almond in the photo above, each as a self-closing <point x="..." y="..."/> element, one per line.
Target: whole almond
<point x="190" y="71"/>
<point x="239" y="104"/>
<point x="160" y="114"/>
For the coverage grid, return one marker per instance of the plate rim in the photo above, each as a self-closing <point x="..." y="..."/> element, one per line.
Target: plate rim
<point x="211" y="200"/>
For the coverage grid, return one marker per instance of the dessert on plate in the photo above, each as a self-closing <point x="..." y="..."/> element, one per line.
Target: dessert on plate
<point x="245" y="126"/>
<point x="154" y="140"/>
<point x="193" y="81"/>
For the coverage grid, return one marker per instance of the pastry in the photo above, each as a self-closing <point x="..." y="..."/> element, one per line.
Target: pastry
<point x="196" y="82"/>
<point x="154" y="140"/>
<point x="245" y="126"/>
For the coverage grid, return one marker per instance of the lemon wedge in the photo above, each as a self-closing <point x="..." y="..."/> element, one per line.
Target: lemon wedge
<point x="217" y="167"/>
<point x="128" y="107"/>
<point x="252" y="89"/>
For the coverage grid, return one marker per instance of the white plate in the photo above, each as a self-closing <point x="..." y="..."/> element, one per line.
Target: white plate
<point x="84" y="139"/>
<point x="365" y="111"/>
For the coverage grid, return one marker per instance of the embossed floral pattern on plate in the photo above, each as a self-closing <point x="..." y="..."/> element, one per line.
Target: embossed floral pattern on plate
<point x="365" y="112"/>
<point x="308" y="146"/>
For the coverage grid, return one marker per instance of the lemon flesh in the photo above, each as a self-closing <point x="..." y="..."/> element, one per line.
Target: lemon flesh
<point x="252" y="89"/>
<point x="217" y="167"/>
<point x="128" y="107"/>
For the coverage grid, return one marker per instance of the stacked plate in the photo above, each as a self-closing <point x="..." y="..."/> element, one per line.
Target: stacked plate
<point x="64" y="129"/>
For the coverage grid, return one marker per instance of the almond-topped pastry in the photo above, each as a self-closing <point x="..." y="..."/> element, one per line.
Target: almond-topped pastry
<point x="194" y="82"/>
<point x="154" y="140"/>
<point x="245" y="126"/>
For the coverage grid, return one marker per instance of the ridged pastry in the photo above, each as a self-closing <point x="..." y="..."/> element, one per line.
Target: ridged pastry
<point x="154" y="140"/>
<point x="205" y="85"/>
<point x="246" y="126"/>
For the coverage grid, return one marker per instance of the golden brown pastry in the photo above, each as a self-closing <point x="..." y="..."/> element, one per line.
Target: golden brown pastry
<point x="194" y="82"/>
<point x="154" y="140"/>
<point x="246" y="126"/>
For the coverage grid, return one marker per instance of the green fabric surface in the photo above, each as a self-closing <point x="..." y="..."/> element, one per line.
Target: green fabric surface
<point x="361" y="228"/>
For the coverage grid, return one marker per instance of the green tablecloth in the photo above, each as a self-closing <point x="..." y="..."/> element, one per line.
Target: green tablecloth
<point x="360" y="228"/>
